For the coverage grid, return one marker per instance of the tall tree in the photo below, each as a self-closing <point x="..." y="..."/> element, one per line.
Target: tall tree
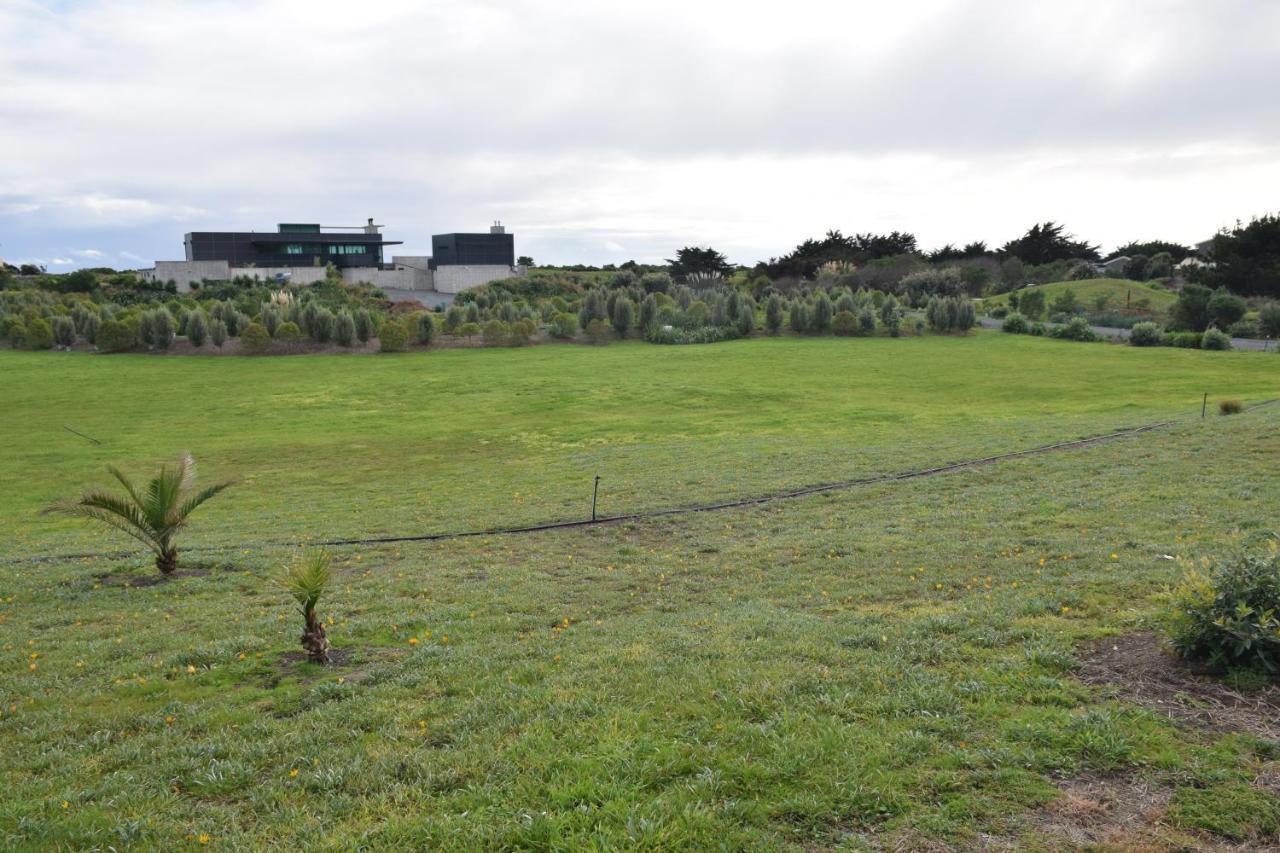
<point x="1247" y="258"/>
<point x="1047" y="242"/>
<point x="804" y="260"/>
<point x="695" y="259"/>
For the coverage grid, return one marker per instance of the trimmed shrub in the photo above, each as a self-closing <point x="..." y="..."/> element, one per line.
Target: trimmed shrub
<point x="344" y="329"/>
<point x="521" y="331"/>
<point x="998" y="312"/>
<point x="950" y="313"/>
<point x="289" y="334"/>
<point x="366" y="328"/>
<point x="426" y="329"/>
<point x="1146" y="335"/>
<point x="115" y="336"/>
<point x="1031" y="304"/>
<point x="866" y="322"/>
<point x="254" y="340"/>
<point x="470" y="330"/>
<point x="1184" y="340"/>
<point x="623" y="316"/>
<point x="1076" y="329"/>
<point x="89" y="331"/>
<point x="156" y="328"/>
<point x="392" y="337"/>
<point x="565" y="325"/>
<point x="270" y="318"/>
<point x="1230" y="407"/>
<point x="648" y="313"/>
<point x="773" y="314"/>
<point x="64" y="331"/>
<point x="322" y="325"/>
<point x="596" y="332"/>
<point x="1015" y="324"/>
<point x="496" y="333"/>
<point x="844" y="323"/>
<point x="1230" y="614"/>
<point x="1215" y="339"/>
<point x="198" y="328"/>
<point x="799" y="319"/>
<point x="1243" y="329"/>
<point x="821" y="318"/>
<point x="38" y="335"/>
<point x="218" y="333"/>
<point x="1225" y="308"/>
<point x="1269" y="319"/>
<point x="746" y="320"/>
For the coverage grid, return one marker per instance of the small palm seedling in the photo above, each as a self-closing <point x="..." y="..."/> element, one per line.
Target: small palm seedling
<point x="153" y="515"/>
<point x="305" y="579"/>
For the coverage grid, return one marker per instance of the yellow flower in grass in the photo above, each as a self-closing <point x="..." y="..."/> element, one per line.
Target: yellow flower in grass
<point x="204" y="838"/>
<point x="413" y="641"/>
<point x="293" y="774"/>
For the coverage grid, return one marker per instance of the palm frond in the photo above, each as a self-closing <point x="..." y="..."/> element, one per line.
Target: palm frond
<point x="306" y="578"/>
<point x="114" y="511"/>
<point x="151" y="516"/>
<point x="178" y="516"/>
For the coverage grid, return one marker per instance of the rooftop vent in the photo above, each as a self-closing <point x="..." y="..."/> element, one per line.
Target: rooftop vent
<point x="496" y="227"/>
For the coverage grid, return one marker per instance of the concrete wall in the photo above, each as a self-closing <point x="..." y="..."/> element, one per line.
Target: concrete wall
<point x="410" y="273"/>
<point x="455" y="279"/>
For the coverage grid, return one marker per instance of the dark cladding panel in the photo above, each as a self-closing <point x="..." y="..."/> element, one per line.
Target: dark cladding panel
<point x="473" y="250"/>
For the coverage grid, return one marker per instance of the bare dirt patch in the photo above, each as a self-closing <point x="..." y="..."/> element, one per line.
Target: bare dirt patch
<point x="1138" y="668"/>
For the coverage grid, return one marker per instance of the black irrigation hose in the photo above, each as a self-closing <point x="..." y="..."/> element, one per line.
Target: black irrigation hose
<point x="687" y="510"/>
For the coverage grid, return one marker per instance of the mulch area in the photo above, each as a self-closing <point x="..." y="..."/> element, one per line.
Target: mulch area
<point x="1138" y="668"/>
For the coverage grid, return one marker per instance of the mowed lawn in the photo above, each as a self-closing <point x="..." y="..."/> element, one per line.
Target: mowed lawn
<point x="336" y="447"/>
<point x="889" y="667"/>
<point x="1121" y="293"/>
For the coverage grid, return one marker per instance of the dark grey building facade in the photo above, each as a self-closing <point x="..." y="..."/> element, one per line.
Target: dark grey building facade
<point x="497" y="248"/>
<point x="291" y="245"/>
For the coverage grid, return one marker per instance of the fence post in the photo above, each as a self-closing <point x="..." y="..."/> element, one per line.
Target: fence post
<point x="595" y="490"/>
<point x="1204" y="405"/>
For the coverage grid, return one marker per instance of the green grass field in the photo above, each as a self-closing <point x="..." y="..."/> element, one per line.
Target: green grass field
<point x="889" y="667"/>
<point x="1121" y="292"/>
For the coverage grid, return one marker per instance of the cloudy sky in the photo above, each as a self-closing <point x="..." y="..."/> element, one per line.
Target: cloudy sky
<point x="600" y="132"/>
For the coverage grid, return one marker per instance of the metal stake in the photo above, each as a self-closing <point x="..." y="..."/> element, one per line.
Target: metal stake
<point x="594" y="491"/>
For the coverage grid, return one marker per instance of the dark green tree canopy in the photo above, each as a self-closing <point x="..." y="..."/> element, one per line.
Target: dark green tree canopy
<point x="695" y="259"/>
<point x="805" y="259"/>
<point x="1247" y="258"/>
<point x="976" y="249"/>
<point x="1151" y="247"/>
<point x="1047" y="242"/>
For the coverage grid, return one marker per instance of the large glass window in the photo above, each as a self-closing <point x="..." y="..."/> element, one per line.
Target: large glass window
<point x="348" y="249"/>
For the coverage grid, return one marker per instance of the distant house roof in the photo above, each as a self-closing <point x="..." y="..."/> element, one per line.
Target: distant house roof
<point x="1114" y="262"/>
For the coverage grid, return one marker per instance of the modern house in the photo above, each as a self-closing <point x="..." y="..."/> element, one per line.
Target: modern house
<point x="299" y="253"/>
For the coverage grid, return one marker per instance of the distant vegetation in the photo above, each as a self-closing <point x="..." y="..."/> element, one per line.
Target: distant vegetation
<point x="858" y="285"/>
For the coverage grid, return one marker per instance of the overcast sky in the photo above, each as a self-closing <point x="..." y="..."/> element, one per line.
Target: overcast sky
<point x="604" y="131"/>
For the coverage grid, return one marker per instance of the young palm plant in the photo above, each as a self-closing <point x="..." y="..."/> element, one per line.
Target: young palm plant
<point x="306" y="579"/>
<point x="153" y="515"/>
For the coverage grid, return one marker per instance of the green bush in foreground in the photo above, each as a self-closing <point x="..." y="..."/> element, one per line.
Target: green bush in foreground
<point x="115" y="336"/>
<point x="255" y="340"/>
<point x="1015" y="324"/>
<point x="305" y="579"/>
<point x="1076" y="329"/>
<point x="38" y="335"/>
<point x="1146" y="335"/>
<point x="392" y="337"/>
<point x="1230" y="615"/>
<point x="1215" y="339"/>
<point x="153" y="515"/>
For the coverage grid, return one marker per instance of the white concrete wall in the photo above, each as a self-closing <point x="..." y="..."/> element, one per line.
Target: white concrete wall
<point x="410" y="273"/>
<point x="455" y="279"/>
